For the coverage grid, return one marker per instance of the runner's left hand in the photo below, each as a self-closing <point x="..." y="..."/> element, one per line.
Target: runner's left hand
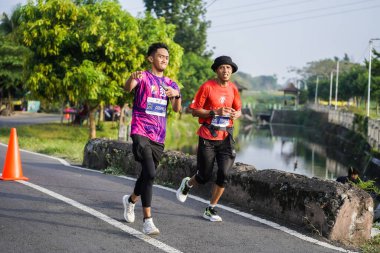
<point x="170" y="92"/>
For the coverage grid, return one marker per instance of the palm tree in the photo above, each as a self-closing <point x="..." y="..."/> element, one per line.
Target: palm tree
<point x="12" y="58"/>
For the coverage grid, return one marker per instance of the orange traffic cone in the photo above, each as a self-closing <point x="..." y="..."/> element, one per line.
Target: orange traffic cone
<point x="12" y="167"/>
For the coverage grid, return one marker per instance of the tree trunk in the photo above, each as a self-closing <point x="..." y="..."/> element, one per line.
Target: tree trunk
<point x="123" y="127"/>
<point x="62" y="112"/>
<point x="92" y="123"/>
<point x="101" y="113"/>
<point x="9" y="105"/>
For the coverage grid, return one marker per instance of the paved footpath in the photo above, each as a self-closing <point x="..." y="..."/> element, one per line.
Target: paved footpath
<point x="63" y="208"/>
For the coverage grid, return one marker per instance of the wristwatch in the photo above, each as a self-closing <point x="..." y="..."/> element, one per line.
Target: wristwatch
<point x="178" y="97"/>
<point x="212" y="113"/>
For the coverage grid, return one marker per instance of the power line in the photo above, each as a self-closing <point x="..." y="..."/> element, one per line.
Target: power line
<point x="294" y="20"/>
<point x="244" y="6"/>
<point x="294" y="13"/>
<point x="363" y="55"/>
<point x="266" y="8"/>
<point x="210" y="4"/>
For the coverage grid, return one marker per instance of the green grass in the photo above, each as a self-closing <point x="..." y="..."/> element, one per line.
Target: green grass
<point x="68" y="141"/>
<point x="55" y="139"/>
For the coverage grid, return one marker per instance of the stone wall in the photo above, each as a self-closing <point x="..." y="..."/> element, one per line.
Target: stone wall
<point x="341" y="213"/>
<point x="369" y="128"/>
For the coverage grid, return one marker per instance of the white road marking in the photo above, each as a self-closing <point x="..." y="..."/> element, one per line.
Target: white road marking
<point x="101" y="216"/>
<point x="264" y="221"/>
<point x="229" y="209"/>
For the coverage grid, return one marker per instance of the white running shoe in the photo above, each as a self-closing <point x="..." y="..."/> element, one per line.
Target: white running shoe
<point x="183" y="190"/>
<point x="211" y="214"/>
<point x="149" y="228"/>
<point x="129" y="209"/>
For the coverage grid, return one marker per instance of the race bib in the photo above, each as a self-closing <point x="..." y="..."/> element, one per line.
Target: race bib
<point x="221" y="121"/>
<point x="156" y="106"/>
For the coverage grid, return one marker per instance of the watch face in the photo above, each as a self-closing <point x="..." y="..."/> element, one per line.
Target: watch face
<point x="212" y="113"/>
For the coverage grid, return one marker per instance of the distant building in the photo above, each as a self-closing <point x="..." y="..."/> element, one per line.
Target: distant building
<point x="290" y="89"/>
<point x="240" y="87"/>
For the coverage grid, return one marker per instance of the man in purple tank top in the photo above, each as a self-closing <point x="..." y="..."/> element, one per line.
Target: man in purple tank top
<point x="153" y="93"/>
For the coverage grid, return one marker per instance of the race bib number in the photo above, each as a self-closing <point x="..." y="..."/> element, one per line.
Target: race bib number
<point x="156" y="106"/>
<point x="221" y="121"/>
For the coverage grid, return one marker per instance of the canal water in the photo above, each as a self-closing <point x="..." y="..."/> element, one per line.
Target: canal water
<point x="287" y="148"/>
<point x="293" y="149"/>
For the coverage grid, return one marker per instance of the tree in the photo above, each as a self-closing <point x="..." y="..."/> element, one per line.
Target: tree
<point x="13" y="57"/>
<point x="9" y="25"/>
<point x="375" y="76"/>
<point x="84" y="51"/>
<point x="349" y="72"/>
<point x="12" y="61"/>
<point x="195" y="70"/>
<point x="189" y="18"/>
<point x="190" y="27"/>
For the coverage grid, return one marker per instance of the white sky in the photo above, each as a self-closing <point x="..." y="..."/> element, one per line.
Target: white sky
<point x="266" y="37"/>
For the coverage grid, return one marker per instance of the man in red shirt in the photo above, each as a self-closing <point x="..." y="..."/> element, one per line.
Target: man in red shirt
<point x="217" y="104"/>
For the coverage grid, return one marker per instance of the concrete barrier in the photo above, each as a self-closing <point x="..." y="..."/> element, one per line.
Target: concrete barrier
<point x="340" y="213"/>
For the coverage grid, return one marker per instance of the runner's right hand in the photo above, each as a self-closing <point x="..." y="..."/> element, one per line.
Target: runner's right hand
<point x="136" y="75"/>
<point x="224" y="111"/>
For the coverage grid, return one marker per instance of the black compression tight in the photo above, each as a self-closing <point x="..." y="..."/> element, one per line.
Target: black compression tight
<point x="144" y="183"/>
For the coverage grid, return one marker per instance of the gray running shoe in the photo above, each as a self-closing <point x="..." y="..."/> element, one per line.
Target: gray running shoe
<point x="149" y="228"/>
<point x="183" y="190"/>
<point x="211" y="214"/>
<point x="129" y="209"/>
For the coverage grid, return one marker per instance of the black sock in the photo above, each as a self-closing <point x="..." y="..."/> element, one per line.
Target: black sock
<point x="146" y="218"/>
<point x="130" y="200"/>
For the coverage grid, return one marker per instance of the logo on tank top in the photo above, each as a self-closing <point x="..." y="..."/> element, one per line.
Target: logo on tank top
<point x="153" y="89"/>
<point x="222" y="99"/>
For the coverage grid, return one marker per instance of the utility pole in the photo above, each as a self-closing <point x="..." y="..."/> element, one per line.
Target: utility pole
<point x="336" y="85"/>
<point x="369" y="74"/>
<point x="316" y="91"/>
<point x="331" y="81"/>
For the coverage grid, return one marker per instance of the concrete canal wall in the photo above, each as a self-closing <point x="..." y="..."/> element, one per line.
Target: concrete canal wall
<point x="341" y="213"/>
<point x="368" y="128"/>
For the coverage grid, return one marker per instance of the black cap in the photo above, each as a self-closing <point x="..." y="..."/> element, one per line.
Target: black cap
<point x="221" y="60"/>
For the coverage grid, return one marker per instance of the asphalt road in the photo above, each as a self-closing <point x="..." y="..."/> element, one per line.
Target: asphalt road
<point x="68" y="209"/>
<point x="28" y="118"/>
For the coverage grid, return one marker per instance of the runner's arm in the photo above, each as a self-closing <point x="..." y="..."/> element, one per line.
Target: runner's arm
<point x="175" y="98"/>
<point x="131" y="83"/>
<point x="203" y="113"/>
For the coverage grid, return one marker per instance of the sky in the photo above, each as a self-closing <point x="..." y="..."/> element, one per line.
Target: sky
<point x="267" y="37"/>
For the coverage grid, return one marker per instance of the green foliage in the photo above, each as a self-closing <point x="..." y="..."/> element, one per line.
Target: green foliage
<point x="9" y="24"/>
<point x="12" y="60"/>
<point x="86" y="50"/>
<point x="83" y="53"/>
<point x="375" y="76"/>
<point x="153" y="30"/>
<point x="369" y="186"/>
<point x="256" y="83"/>
<point x="263" y="97"/>
<point x="100" y="126"/>
<point x="353" y="79"/>
<point x="361" y="124"/>
<point x="372" y="246"/>
<point x="115" y="161"/>
<point x="194" y="72"/>
<point x="13" y="56"/>
<point x="181" y="133"/>
<point x="189" y="18"/>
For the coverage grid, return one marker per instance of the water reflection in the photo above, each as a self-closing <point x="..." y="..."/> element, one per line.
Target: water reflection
<point x="286" y="148"/>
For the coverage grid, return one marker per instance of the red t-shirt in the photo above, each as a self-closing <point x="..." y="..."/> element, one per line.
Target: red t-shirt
<point x="212" y="96"/>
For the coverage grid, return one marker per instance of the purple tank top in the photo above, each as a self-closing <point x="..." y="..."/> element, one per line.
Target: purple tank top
<point x="150" y="106"/>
